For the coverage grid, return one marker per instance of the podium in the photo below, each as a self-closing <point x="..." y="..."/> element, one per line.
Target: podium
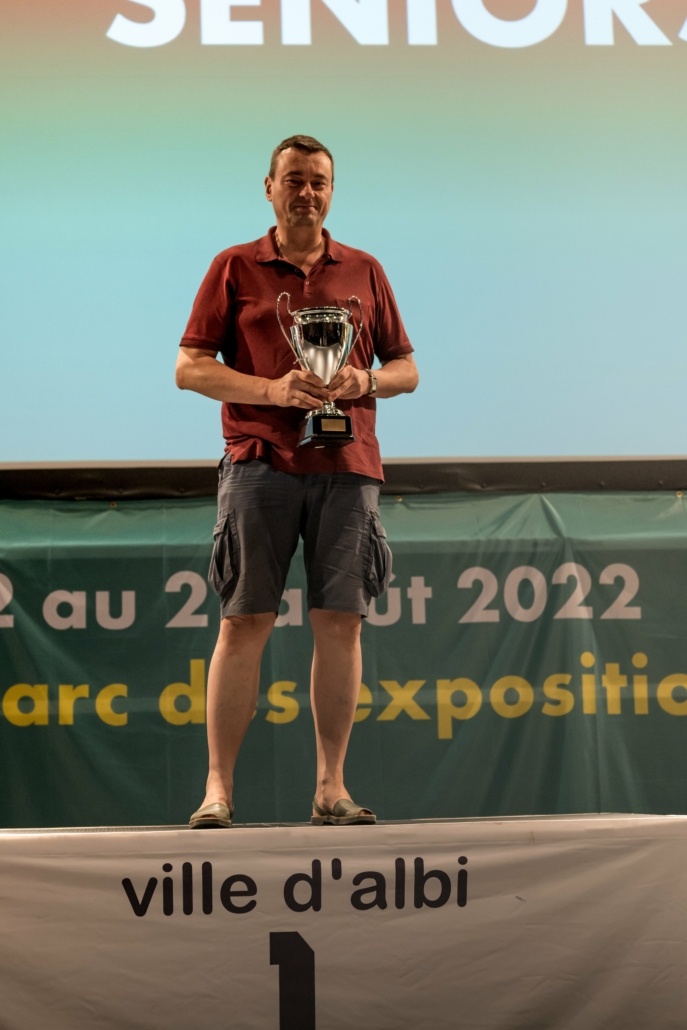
<point x="575" y="922"/>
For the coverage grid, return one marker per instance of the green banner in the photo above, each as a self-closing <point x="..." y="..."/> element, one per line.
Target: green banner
<point x="528" y="658"/>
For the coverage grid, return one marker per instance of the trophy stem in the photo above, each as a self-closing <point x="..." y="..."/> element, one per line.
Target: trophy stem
<point x="329" y="408"/>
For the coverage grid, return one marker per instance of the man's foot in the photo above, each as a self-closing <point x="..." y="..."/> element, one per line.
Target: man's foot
<point x="217" y="816"/>
<point x="344" y="813"/>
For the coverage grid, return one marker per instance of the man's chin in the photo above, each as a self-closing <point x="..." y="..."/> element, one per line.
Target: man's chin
<point x="308" y="217"/>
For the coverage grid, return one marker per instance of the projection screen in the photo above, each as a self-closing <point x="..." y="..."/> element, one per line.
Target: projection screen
<point x="518" y="166"/>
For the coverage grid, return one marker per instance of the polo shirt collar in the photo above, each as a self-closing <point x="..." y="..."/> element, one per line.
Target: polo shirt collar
<point x="265" y="251"/>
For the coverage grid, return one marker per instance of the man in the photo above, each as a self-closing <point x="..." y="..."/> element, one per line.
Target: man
<point x="271" y="489"/>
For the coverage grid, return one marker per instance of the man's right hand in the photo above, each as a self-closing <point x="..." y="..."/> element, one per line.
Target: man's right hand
<point x="298" y="389"/>
<point x="198" y="369"/>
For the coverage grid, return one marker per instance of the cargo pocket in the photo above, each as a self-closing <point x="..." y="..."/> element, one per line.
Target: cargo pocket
<point x="224" y="563"/>
<point x="378" y="563"/>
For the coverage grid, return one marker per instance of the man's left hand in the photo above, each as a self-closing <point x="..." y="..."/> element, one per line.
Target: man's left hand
<point x="349" y="384"/>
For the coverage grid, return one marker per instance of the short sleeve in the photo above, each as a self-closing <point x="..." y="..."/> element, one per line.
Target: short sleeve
<point x="210" y="321"/>
<point x="389" y="334"/>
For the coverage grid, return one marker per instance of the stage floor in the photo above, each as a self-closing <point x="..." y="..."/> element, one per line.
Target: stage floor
<point x="605" y="819"/>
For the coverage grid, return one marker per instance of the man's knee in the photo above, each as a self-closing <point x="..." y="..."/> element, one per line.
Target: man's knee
<point x="343" y="626"/>
<point x="246" y="630"/>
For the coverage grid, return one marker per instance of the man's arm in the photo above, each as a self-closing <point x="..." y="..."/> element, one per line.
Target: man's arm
<point x="199" y="370"/>
<point x="399" y="375"/>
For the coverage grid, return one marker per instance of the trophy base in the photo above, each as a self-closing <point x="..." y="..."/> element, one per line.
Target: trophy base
<point x="321" y="429"/>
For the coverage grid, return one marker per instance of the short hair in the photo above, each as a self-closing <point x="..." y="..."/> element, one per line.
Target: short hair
<point x="308" y="144"/>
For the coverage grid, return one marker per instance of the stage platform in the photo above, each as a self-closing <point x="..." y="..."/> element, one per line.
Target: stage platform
<point x="566" y="922"/>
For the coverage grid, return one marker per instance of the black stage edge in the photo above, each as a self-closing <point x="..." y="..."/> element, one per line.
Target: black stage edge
<point x="146" y="480"/>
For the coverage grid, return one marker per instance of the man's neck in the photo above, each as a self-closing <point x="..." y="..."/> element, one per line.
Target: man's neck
<point x="302" y="248"/>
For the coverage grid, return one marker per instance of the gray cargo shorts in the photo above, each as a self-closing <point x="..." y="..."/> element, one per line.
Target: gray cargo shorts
<point x="261" y="515"/>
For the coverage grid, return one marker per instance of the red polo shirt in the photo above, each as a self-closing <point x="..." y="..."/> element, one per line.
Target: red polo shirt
<point x="235" y="313"/>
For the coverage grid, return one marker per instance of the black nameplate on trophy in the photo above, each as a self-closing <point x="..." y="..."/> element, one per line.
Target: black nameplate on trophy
<point x="323" y="430"/>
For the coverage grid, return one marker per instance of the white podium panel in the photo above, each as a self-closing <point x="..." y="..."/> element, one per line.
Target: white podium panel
<point x="568" y="922"/>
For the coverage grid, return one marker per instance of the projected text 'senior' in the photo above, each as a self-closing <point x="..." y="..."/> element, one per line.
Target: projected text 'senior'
<point x="367" y="22"/>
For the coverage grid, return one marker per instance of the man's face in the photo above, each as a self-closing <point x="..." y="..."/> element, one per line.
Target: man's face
<point x="301" y="190"/>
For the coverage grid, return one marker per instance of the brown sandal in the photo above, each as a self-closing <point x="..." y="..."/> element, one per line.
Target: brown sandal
<point x="212" y="817"/>
<point x="344" y="813"/>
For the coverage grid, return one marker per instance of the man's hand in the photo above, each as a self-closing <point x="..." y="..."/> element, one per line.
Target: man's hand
<point x="298" y="389"/>
<point x="399" y="375"/>
<point x="349" y="384"/>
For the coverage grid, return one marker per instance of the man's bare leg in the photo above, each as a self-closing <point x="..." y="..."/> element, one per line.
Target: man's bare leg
<point x="232" y="694"/>
<point x="334" y="689"/>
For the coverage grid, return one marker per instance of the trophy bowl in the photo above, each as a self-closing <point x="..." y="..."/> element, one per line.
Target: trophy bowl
<point x="322" y="339"/>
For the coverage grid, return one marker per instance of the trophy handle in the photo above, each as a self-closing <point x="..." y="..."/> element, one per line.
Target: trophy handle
<point x="361" y="320"/>
<point x="288" y="308"/>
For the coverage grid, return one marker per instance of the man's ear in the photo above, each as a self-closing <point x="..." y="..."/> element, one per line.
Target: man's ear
<point x="268" y="188"/>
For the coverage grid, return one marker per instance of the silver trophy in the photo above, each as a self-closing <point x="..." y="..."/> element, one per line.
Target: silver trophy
<point x="322" y="339"/>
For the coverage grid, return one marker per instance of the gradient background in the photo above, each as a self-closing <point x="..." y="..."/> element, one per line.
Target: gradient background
<point x="528" y="206"/>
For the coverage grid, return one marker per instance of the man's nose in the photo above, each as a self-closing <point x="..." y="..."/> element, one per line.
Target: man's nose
<point x="307" y="191"/>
